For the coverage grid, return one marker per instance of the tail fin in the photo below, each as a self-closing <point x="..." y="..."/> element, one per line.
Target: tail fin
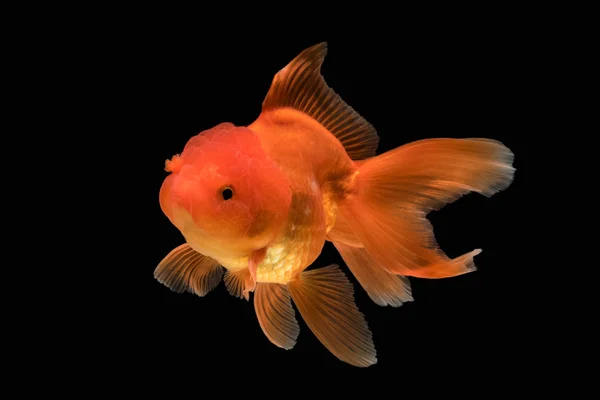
<point x="396" y="190"/>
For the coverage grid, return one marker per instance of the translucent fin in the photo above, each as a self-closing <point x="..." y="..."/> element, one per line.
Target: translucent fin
<point x="275" y="314"/>
<point x="397" y="189"/>
<point x="239" y="284"/>
<point x="342" y="233"/>
<point x="325" y="299"/>
<point x="185" y="269"/>
<point x="256" y="257"/>
<point x="300" y="86"/>
<point x="381" y="286"/>
<point x="458" y="266"/>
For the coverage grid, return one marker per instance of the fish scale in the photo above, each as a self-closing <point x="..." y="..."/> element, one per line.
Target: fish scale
<point x="301" y="242"/>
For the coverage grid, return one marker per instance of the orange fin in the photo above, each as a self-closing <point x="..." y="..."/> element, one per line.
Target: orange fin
<point x="458" y="266"/>
<point x="342" y="233"/>
<point x="185" y="269"/>
<point x="397" y="189"/>
<point x="256" y="257"/>
<point x="239" y="284"/>
<point x="381" y="286"/>
<point x="275" y="314"/>
<point x="301" y="86"/>
<point x="325" y="299"/>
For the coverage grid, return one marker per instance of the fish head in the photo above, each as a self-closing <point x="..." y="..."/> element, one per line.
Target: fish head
<point x="225" y="195"/>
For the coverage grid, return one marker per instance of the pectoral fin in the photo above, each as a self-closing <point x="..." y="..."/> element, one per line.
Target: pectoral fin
<point x="239" y="283"/>
<point x="256" y="257"/>
<point x="185" y="269"/>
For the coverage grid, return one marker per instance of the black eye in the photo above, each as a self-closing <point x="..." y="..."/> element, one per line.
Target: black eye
<point x="227" y="193"/>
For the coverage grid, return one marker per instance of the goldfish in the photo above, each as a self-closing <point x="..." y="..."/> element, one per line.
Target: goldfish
<point x="257" y="203"/>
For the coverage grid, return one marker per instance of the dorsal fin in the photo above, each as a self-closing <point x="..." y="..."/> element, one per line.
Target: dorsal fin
<point x="301" y="86"/>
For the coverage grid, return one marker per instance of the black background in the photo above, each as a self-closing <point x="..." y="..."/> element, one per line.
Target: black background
<point x="448" y="81"/>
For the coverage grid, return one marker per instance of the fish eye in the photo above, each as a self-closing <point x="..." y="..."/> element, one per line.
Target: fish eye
<point x="227" y="193"/>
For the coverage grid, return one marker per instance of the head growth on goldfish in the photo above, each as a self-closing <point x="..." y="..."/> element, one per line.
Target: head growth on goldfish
<point x="224" y="193"/>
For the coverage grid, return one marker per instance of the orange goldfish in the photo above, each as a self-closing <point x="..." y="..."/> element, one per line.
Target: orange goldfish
<point x="260" y="202"/>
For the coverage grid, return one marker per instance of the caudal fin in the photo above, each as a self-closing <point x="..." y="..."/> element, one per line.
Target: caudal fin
<point x="396" y="190"/>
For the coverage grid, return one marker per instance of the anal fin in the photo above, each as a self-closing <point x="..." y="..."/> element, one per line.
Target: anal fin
<point x="381" y="286"/>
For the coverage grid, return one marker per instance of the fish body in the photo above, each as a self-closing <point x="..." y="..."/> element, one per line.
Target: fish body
<point x="320" y="174"/>
<point x="260" y="201"/>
